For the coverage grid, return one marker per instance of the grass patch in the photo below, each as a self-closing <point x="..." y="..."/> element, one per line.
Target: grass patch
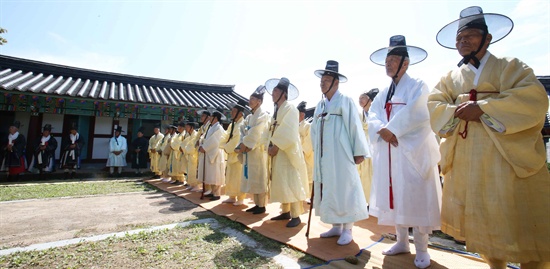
<point x="194" y="246"/>
<point x="69" y="189"/>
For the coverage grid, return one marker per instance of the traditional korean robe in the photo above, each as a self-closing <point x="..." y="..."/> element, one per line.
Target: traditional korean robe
<point x="288" y="172"/>
<point x="117" y="144"/>
<point x="307" y="147"/>
<point x="339" y="137"/>
<point x="497" y="188"/>
<point x="365" y="168"/>
<point x="192" y="157"/>
<point x="70" y="156"/>
<point x="139" y="159"/>
<point x="14" y="160"/>
<point x="154" y="142"/>
<point x="415" y="180"/>
<point x="44" y="159"/>
<point x="254" y="132"/>
<point x="234" y="167"/>
<point x="175" y="169"/>
<point x="164" y="150"/>
<point x="212" y="167"/>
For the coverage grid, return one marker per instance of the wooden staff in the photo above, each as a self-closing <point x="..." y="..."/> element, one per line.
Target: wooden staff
<point x="203" y="175"/>
<point x="310" y="210"/>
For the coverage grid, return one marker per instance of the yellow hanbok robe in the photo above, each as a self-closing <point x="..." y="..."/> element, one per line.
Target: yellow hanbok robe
<point x="192" y="157"/>
<point x="365" y="167"/>
<point x="234" y="168"/>
<point x="307" y="147"/>
<point x="254" y="136"/>
<point x="165" y="154"/>
<point x="154" y="142"/>
<point x="288" y="172"/>
<point x="496" y="193"/>
<point x="175" y="169"/>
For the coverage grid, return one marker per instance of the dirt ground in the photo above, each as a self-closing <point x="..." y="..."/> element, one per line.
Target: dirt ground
<point x="24" y="223"/>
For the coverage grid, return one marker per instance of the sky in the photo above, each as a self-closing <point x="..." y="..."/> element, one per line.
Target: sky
<point x="244" y="43"/>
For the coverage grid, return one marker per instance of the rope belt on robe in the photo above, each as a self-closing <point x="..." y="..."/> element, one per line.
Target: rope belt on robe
<point x="473" y="97"/>
<point x="389" y="105"/>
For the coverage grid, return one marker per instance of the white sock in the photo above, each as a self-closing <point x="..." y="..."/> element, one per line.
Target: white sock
<point x="402" y="245"/>
<point x="336" y="230"/>
<point x="345" y="238"/>
<point x="422" y="259"/>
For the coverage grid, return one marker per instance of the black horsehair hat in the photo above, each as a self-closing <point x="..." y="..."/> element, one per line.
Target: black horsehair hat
<point x="398" y="46"/>
<point x="284" y="85"/>
<point x="259" y="92"/>
<point x="119" y="129"/>
<point x="48" y="127"/>
<point x="16" y="124"/>
<point x="141" y="129"/>
<point x="372" y="93"/>
<point x="498" y="25"/>
<point x="191" y="122"/>
<point x="240" y="105"/>
<point x="302" y="107"/>
<point x="331" y="69"/>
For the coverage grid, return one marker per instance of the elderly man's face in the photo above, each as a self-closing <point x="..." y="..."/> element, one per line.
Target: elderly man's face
<point x="364" y="101"/>
<point x="277" y="94"/>
<point x="326" y="81"/>
<point x="392" y="65"/>
<point x="117" y="133"/>
<point x="468" y="40"/>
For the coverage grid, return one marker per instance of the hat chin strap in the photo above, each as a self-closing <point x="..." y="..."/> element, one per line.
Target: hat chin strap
<point x="472" y="55"/>
<point x="399" y="69"/>
<point x="331" y="84"/>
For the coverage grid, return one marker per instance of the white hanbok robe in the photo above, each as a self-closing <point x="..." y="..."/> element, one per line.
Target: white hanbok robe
<point x="213" y="170"/>
<point x="340" y="140"/>
<point x="117" y="144"/>
<point x="415" y="177"/>
<point x="234" y="167"/>
<point x="254" y="136"/>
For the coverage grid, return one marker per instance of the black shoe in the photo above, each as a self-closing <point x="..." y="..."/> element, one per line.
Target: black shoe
<point x="283" y="216"/>
<point x="214" y="198"/>
<point x="259" y="210"/>
<point x="73" y="174"/>
<point x="209" y="195"/>
<point x="252" y="209"/>
<point x="155" y="177"/>
<point x="294" y="222"/>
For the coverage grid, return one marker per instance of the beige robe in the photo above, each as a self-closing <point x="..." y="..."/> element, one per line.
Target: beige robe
<point x="288" y="172"/>
<point x="175" y="169"/>
<point x="496" y="193"/>
<point x="165" y="148"/>
<point x="254" y="136"/>
<point x="192" y="158"/>
<point x="307" y="147"/>
<point x="154" y="142"/>
<point x="212" y="162"/>
<point x="365" y="167"/>
<point x="234" y="168"/>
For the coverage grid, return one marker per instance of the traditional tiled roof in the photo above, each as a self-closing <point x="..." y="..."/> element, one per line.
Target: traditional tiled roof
<point x="545" y="80"/>
<point x="24" y="76"/>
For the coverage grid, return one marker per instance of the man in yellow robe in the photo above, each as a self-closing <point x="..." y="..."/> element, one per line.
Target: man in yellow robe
<point x="154" y="142"/>
<point x="253" y="147"/>
<point x="234" y="168"/>
<point x="191" y="155"/>
<point x="175" y="166"/>
<point x="489" y="113"/>
<point x="365" y="168"/>
<point x="165" y="151"/>
<point x="305" y="139"/>
<point x="288" y="169"/>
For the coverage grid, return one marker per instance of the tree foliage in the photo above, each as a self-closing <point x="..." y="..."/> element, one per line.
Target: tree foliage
<point x="3" y="40"/>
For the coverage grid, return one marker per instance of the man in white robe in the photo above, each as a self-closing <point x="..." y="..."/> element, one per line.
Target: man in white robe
<point x="154" y="142"/>
<point x="117" y="153"/>
<point x="205" y="119"/>
<point x="406" y="190"/>
<point x="288" y="184"/>
<point x="338" y="145"/>
<point x="211" y="157"/>
<point x="234" y="167"/>
<point x="253" y="146"/>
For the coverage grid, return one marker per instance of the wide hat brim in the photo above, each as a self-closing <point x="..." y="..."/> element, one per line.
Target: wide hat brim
<point x="223" y="118"/>
<point x="321" y="72"/>
<point x="416" y="55"/>
<point x="245" y="109"/>
<point x="209" y="110"/>
<point x="292" y="90"/>
<point x="498" y="25"/>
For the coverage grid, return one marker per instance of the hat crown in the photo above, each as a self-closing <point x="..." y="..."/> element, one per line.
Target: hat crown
<point x="472" y="17"/>
<point x="47" y="127"/>
<point x="283" y="84"/>
<point x="397" y="40"/>
<point x="259" y="92"/>
<point x="302" y="106"/>
<point x="332" y="66"/>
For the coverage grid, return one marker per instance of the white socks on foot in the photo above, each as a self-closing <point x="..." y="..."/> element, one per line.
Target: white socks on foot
<point x="334" y="231"/>
<point x="397" y="248"/>
<point x="345" y="238"/>
<point x="422" y="259"/>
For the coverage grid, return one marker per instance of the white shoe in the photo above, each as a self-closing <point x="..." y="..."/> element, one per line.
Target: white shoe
<point x="238" y="203"/>
<point x="207" y="192"/>
<point x="397" y="248"/>
<point x="422" y="260"/>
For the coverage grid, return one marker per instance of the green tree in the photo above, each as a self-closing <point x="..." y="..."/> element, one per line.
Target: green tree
<point x="3" y="40"/>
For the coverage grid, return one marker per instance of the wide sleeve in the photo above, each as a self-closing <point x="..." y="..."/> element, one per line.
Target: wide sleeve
<point x="353" y="124"/>
<point x="307" y="146"/>
<point x="377" y="116"/>
<point x="211" y="144"/>
<point x="230" y="145"/>
<point x="287" y="125"/>
<point x="124" y="145"/>
<point x="52" y="144"/>
<point x="441" y="104"/>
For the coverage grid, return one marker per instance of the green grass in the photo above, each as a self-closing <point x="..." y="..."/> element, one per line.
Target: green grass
<point x="195" y="246"/>
<point x="69" y="189"/>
